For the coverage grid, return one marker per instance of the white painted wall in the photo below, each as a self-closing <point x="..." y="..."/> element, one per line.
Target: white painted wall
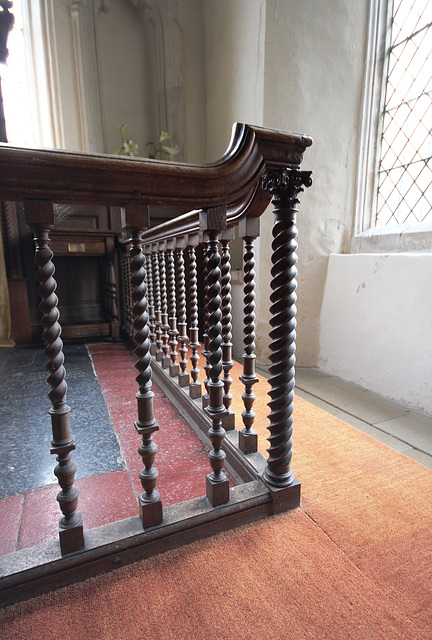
<point x="376" y="324"/>
<point x="314" y="55"/>
<point x="234" y="41"/>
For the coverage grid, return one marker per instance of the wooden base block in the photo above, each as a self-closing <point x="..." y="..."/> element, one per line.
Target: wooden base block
<point x="217" y="492"/>
<point x="195" y="390"/>
<point x="205" y="401"/>
<point x="248" y="441"/>
<point x="286" y="498"/>
<point x="165" y="362"/>
<point x="115" y="331"/>
<point x="153" y="349"/>
<point x="228" y="420"/>
<point x="150" y="512"/>
<point x="173" y="370"/>
<point x="159" y="355"/>
<point x="19" y="311"/>
<point x="72" y="539"/>
<point x="183" y="379"/>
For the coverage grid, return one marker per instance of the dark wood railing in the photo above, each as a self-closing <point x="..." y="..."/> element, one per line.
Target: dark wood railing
<point x="160" y="313"/>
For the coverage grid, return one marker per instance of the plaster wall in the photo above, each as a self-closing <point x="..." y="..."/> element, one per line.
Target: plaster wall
<point x="190" y="19"/>
<point x="121" y="63"/>
<point x="314" y="57"/>
<point x="234" y="54"/>
<point x="234" y="41"/>
<point x="375" y="325"/>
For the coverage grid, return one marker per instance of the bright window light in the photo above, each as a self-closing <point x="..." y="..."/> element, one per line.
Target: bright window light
<point x="16" y="87"/>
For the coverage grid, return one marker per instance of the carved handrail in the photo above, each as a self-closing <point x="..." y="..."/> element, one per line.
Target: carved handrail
<point x="62" y="176"/>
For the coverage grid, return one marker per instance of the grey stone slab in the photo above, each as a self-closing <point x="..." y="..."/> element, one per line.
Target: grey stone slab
<point x="25" y="425"/>
<point x="421" y="457"/>
<point x="317" y="402"/>
<point x="307" y="374"/>
<point x="385" y="438"/>
<point x="413" y="428"/>
<point x="363" y="404"/>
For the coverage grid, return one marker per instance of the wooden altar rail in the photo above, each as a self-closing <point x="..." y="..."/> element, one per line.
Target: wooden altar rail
<point x="161" y="314"/>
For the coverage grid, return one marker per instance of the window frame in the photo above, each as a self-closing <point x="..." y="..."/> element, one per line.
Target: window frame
<point x="367" y="238"/>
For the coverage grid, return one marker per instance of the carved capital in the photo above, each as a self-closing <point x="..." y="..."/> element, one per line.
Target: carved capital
<point x="285" y="184"/>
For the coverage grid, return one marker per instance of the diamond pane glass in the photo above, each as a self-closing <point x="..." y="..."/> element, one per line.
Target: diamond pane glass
<point x="405" y="170"/>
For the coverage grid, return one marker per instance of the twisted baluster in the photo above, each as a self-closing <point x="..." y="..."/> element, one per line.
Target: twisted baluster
<point x="157" y="301"/>
<point x="151" y="307"/>
<point x="173" y="331"/>
<point x="228" y="420"/>
<point x="217" y="484"/>
<point x="248" y="438"/>
<point x="123" y="305"/>
<point x="194" y="385"/>
<point x="149" y="501"/>
<point x="111" y="289"/>
<point x="164" y="310"/>
<point x="183" y="377"/>
<point x="129" y="297"/>
<point x="63" y="443"/>
<point x="205" y="351"/>
<point x="285" y="186"/>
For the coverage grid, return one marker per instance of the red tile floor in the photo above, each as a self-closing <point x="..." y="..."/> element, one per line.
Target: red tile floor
<point x="32" y="518"/>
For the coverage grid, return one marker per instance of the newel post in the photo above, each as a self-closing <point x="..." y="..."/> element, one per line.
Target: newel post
<point x="212" y="222"/>
<point x="40" y="218"/>
<point x="150" y="504"/>
<point x="285" y="185"/>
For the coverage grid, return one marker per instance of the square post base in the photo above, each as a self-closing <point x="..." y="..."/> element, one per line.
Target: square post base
<point x="72" y="539"/>
<point x="153" y="349"/>
<point x="248" y="441"/>
<point x="173" y="370"/>
<point x="195" y="390"/>
<point x="228" y="420"/>
<point x="205" y="401"/>
<point x="165" y="362"/>
<point x="183" y="379"/>
<point x="150" y="512"/>
<point x="217" y="492"/>
<point x="286" y="498"/>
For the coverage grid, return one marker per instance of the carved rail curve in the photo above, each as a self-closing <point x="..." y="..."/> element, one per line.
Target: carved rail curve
<point x="62" y="176"/>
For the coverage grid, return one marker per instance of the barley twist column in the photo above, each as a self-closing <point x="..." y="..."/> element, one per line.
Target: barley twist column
<point x="150" y="504"/>
<point x="164" y="306"/>
<point x="205" y="351"/>
<point x="129" y="295"/>
<point x="213" y="221"/>
<point x="157" y="301"/>
<point x="150" y="296"/>
<point x="194" y="385"/>
<point x="40" y="218"/>
<point x="248" y="438"/>
<point x="172" y="308"/>
<point x="183" y="377"/>
<point x="285" y="186"/>
<point x="228" y="421"/>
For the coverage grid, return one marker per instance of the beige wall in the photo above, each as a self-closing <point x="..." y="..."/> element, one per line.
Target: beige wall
<point x="234" y="54"/>
<point x="314" y="59"/>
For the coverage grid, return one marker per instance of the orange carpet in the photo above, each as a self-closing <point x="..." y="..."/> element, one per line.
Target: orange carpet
<point x="353" y="562"/>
